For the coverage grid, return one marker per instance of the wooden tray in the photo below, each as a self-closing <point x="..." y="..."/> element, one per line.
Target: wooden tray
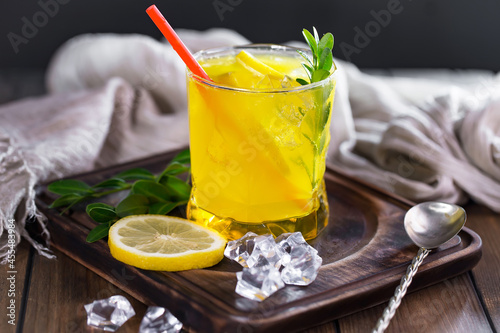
<point x="365" y="252"/>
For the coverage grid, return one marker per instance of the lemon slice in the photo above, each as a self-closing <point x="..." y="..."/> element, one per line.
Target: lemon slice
<point x="250" y="61"/>
<point x="164" y="243"/>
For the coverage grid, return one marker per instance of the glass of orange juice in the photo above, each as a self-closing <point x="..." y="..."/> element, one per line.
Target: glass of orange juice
<point x="258" y="142"/>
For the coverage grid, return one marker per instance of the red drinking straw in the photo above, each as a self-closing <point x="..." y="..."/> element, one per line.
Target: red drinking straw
<point x="176" y="42"/>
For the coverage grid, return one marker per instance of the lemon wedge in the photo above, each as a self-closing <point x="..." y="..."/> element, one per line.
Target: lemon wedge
<point x="255" y="64"/>
<point x="164" y="243"/>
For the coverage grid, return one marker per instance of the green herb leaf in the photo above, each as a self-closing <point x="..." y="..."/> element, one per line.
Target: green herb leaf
<point x="154" y="191"/>
<point x="326" y="42"/>
<point x="98" y="232"/>
<point x="318" y="51"/>
<point x="135" y="174"/>
<point x="134" y="204"/>
<point x="179" y="190"/>
<point x="112" y="183"/>
<point x="322" y="58"/>
<point x="322" y="61"/>
<point x="311" y="41"/>
<point x="316" y="36"/>
<point x="69" y="186"/>
<point x="162" y="208"/>
<point x="327" y="60"/>
<point x="149" y="194"/>
<point x="305" y="56"/>
<point x="309" y="70"/>
<point x="301" y="81"/>
<point x="173" y="169"/>
<point x="183" y="157"/>
<point x="101" y="213"/>
<point x="66" y="200"/>
<point x="319" y="75"/>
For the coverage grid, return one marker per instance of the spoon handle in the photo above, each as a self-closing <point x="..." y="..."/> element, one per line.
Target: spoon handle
<point x="400" y="291"/>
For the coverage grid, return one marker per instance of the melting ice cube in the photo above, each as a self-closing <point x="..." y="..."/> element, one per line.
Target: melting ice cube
<point x="239" y="250"/>
<point x="265" y="251"/>
<point x="263" y="256"/>
<point x="303" y="266"/>
<point x="288" y="82"/>
<point x="258" y="283"/>
<point x="289" y="241"/>
<point x="159" y="320"/>
<point x="110" y="313"/>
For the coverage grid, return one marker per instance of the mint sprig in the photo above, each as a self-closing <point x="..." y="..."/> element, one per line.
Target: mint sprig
<point x="318" y="68"/>
<point x="148" y="194"/>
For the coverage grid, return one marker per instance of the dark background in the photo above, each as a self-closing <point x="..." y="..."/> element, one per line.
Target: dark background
<point x="426" y="33"/>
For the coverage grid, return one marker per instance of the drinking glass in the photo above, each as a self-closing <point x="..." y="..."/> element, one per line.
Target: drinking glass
<point x="258" y="154"/>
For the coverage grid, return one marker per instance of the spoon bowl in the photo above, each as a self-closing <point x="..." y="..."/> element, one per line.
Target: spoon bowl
<point x="431" y="224"/>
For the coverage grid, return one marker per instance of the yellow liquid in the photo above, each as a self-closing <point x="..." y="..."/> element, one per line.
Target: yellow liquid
<point x="258" y="155"/>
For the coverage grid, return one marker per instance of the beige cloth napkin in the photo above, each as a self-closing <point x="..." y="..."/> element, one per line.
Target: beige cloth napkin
<point x="421" y="139"/>
<point x="115" y="98"/>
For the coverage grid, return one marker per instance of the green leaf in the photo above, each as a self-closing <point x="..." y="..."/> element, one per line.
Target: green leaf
<point x="322" y="142"/>
<point x="316" y="36"/>
<point x="162" y="208"/>
<point x="101" y="213"/>
<point x="301" y="81"/>
<point x="98" y="232"/>
<point x="173" y="169"/>
<point x="308" y="70"/>
<point x="134" y="204"/>
<point x="178" y="188"/>
<point x="324" y="60"/>
<point x="328" y="62"/>
<point x="112" y="183"/>
<point x="326" y="42"/>
<point x="316" y="39"/>
<point x="155" y="192"/>
<point x="66" y="200"/>
<point x="135" y="174"/>
<point x="319" y="75"/>
<point x="305" y="56"/>
<point x="69" y="186"/>
<point x="183" y="157"/>
<point x="311" y="41"/>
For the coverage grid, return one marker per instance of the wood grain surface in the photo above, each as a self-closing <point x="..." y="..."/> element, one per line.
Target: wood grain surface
<point x="365" y="252"/>
<point x="486" y="275"/>
<point x="453" y="305"/>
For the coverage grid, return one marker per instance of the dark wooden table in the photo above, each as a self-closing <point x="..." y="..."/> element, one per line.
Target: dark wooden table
<point x="50" y="294"/>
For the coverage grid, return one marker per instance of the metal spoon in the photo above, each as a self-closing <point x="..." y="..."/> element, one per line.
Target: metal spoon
<point x="429" y="225"/>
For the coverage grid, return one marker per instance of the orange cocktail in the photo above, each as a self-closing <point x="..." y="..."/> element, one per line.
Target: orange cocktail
<point x="258" y="142"/>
